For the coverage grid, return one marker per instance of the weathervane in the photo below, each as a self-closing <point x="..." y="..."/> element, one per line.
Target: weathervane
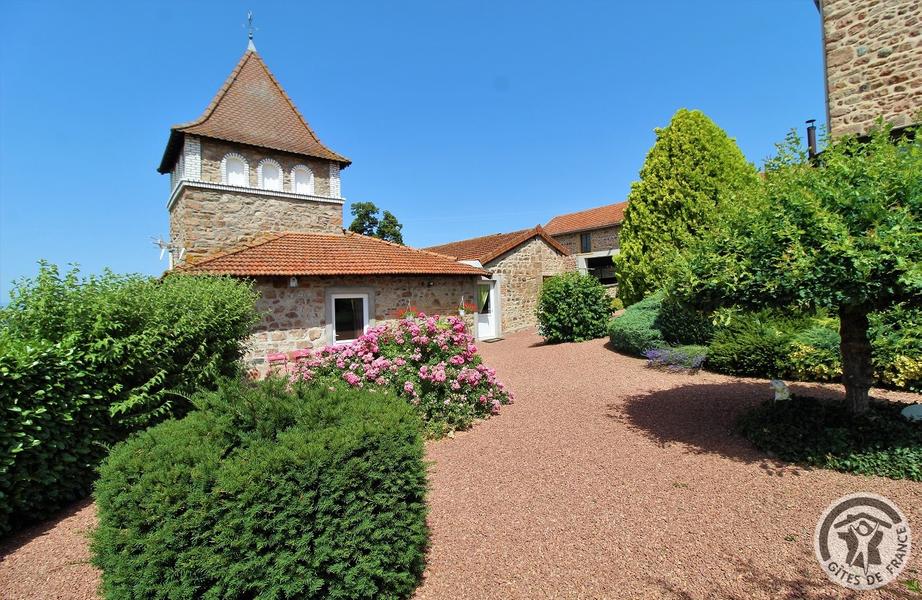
<point x="250" y="30"/>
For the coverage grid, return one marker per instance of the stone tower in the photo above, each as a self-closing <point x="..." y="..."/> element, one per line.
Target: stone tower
<point x="873" y="57"/>
<point x="248" y="166"/>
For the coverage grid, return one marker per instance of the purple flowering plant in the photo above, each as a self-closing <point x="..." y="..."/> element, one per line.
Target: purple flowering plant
<point x="430" y="361"/>
<point x="678" y="359"/>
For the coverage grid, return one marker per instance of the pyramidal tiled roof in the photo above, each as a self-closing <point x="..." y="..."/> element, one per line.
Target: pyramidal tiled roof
<point x="593" y="218"/>
<point x="489" y="247"/>
<point x="252" y="108"/>
<point x="292" y="254"/>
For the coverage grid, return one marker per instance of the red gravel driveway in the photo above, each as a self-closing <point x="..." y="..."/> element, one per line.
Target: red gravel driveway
<point x="604" y="480"/>
<point x="609" y="480"/>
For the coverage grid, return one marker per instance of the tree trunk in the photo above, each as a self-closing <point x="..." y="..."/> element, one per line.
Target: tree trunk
<point x="857" y="372"/>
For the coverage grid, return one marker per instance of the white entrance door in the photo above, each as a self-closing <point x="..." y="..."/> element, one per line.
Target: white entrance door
<point x="486" y="310"/>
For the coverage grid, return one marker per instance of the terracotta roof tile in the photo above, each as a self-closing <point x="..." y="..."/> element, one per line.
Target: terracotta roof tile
<point x="252" y="108"/>
<point x="291" y="254"/>
<point x="593" y="218"/>
<point x="489" y="247"/>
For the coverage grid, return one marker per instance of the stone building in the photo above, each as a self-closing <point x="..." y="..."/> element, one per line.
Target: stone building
<point x="591" y="236"/>
<point x="255" y="194"/>
<point x="518" y="262"/>
<point x="873" y="62"/>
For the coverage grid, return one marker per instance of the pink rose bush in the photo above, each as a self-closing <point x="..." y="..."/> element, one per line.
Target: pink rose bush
<point x="430" y="361"/>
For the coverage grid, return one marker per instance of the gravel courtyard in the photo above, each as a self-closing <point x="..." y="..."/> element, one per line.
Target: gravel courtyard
<point x="604" y="480"/>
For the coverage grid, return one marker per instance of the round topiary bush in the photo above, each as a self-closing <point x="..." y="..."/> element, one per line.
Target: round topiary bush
<point x="573" y="308"/>
<point x="635" y="331"/>
<point x="267" y="493"/>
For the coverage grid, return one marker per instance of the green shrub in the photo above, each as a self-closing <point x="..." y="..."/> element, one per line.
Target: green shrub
<point x="814" y="354"/>
<point x="896" y="338"/>
<point x="683" y="325"/>
<point x="572" y="308"/>
<point x="267" y="493"/>
<point x="85" y="362"/>
<point x="617" y="304"/>
<point x="823" y="434"/>
<point x="635" y="331"/>
<point x="752" y="344"/>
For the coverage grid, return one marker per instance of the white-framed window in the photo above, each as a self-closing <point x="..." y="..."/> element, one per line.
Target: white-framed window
<point x="302" y="180"/>
<point x="269" y="175"/>
<point x="235" y="170"/>
<point x="350" y="316"/>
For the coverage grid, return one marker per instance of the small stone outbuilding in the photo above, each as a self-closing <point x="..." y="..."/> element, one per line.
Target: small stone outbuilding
<point x="518" y="262"/>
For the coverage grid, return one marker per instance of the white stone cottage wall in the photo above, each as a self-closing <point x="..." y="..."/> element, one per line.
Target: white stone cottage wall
<point x="296" y="318"/>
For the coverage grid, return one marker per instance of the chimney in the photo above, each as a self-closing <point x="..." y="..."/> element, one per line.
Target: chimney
<point x="811" y="139"/>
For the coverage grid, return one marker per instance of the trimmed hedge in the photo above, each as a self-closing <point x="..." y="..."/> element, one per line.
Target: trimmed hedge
<point x="573" y="307"/>
<point x="820" y="433"/>
<point x="752" y="344"/>
<point x="635" y="331"/>
<point x="267" y="493"/>
<point x="85" y="362"/>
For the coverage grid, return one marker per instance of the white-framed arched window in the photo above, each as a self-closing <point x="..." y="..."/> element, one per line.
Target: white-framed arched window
<point x="302" y="180"/>
<point x="235" y="170"/>
<point x="269" y="175"/>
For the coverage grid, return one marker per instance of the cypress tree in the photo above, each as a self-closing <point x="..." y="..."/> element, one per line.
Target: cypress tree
<point x="692" y="169"/>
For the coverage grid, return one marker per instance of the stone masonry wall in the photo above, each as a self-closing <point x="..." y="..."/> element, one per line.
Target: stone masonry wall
<point x="205" y="221"/>
<point x="523" y="271"/>
<point x="213" y="151"/>
<point x="873" y="51"/>
<point x="601" y="240"/>
<point x="295" y="318"/>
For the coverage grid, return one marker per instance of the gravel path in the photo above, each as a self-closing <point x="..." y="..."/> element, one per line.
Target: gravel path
<point x="609" y="480"/>
<point x="604" y="480"/>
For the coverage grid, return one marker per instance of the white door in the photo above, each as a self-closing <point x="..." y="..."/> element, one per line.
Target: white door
<point x="486" y="310"/>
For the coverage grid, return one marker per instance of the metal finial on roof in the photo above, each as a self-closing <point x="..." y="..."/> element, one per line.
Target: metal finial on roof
<point x="250" y="30"/>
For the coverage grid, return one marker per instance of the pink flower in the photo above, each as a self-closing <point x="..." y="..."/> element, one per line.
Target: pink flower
<point x="351" y="378"/>
<point x="408" y="388"/>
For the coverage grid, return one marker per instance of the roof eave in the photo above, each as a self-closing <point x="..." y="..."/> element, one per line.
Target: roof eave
<point x="173" y="146"/>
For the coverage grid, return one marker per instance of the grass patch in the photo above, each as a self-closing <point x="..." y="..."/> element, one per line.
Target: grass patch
<point x="822" y="433"/>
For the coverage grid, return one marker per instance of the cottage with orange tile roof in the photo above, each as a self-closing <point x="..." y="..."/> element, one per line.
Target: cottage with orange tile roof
<point x="591" y="236"/>
<point x="519" y="262"/>
<point x="255" y="194"/>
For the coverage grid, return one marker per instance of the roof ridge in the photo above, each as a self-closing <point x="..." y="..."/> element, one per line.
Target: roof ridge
<point x="222" y="91"/>
<point x="291" y="103"/>
<point x="526" y="235"/>
<point x="404" y="246"/>
<point x="479" y="237"/>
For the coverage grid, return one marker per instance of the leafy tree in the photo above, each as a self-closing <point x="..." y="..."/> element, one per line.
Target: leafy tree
<point x="389" y="228"/>
<point x="366" y="218"/>
<point x="688" y="174"/>
<point x="844" y="234"/>
<point x="366" y="222"/>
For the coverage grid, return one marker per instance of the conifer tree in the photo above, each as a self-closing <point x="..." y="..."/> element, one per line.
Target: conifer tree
<point x="691" y="170"/>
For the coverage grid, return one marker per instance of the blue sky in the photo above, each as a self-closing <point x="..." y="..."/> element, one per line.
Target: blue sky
<point x="462" y="118"/>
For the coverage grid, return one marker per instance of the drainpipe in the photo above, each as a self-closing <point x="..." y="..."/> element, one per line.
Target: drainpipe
<point x="811" y="139"/>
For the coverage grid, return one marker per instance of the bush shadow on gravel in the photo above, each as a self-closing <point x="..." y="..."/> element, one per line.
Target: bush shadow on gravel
<point x="20" y="537"/>
<point x="701" y="417"/>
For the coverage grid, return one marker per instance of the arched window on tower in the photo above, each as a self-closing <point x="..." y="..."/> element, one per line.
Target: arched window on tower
<point x="302" y="180"/>
<point x="270" y="175"/>
<point x="234" y="170"/>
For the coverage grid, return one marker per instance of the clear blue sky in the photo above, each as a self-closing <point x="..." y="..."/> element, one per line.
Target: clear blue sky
<point x="462" y="118"/>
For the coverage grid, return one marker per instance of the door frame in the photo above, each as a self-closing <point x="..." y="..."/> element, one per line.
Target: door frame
<point x="495" y="282"/>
